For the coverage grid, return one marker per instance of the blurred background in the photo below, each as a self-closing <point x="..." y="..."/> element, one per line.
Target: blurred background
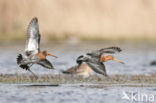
<point x="80" y="20"/>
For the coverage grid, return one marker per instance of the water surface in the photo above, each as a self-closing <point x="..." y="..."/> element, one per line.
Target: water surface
<point x="136" y="57"/>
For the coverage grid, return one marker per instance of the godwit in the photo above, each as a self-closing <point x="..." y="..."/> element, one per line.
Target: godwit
<point x="32" y="54"/>
<point x="80" y="70"/>
<point x="94" y="61"/>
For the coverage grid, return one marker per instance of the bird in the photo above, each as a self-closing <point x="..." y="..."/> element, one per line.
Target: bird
<point x="79" y="70"/>
<point x="96" y="58"/>
<point x="153" y="63"/>
<point x="93" y="61"/>
<point x="33" y="54"/>
<point x="99" y="54"/>
<point x="95" y="65"/>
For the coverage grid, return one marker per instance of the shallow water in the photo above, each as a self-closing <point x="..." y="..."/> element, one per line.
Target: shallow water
<point x="17" y="93"/>
<point x="136" y="57"/>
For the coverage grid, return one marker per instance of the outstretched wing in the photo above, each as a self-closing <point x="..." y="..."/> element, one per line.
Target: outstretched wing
<point x="97" y="67"/>
<point x="33" y="38"/>
<point x="93" y="63"/>
<point x="110" y="50"/>
<point x="46" y="63"/>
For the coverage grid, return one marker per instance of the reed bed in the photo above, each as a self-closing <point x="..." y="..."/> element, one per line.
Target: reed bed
<point x="86" y="19"/>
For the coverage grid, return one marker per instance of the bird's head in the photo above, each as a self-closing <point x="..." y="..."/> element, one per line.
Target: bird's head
<point x="110" y="57"/>
<point x="46" y="53"/>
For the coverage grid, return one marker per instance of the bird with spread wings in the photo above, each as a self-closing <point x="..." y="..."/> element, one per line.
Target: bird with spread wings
<point x="96" y="58"/>
<point x="32" y="54"/>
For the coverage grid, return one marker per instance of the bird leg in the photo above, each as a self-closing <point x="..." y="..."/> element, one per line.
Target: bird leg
<point x="33" y="74"/>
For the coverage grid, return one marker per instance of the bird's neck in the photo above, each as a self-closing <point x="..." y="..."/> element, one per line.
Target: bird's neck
<point x="41" y="55"/>
<point x="105" y="58"/>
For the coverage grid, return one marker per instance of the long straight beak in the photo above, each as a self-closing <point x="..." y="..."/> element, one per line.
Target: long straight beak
<point x="118" y="61"/>
<point x="52" y="55"/>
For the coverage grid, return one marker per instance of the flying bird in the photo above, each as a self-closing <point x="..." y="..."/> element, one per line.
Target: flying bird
<point x="99" y="54"/>
<point x="33" y="54"/>
<point x="94" y="61"/>
<point x="95" y="65"/>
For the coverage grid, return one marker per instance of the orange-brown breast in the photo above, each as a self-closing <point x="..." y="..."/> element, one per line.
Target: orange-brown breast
<point x="41" y="55"/>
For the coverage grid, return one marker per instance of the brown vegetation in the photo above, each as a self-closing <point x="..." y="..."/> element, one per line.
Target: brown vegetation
<point x="81" y="18"/>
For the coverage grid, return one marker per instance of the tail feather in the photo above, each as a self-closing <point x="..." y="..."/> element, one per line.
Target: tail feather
<point x="19" y="60"/>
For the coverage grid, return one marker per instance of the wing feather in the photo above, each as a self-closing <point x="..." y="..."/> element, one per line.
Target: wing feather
<point x="46" y="63"/>
<point x="110" y="50"/>
<point x="33" y="38"/>
<point x="97" y="67"/>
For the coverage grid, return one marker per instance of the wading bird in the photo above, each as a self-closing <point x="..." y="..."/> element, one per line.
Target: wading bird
<point x="93" y="61"/>
<point x="32" y="54"/>
<point x="80" y="70"/>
